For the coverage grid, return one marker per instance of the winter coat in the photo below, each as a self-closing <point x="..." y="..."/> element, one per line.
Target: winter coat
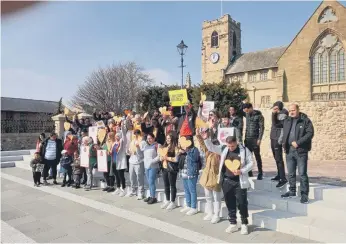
<point x="191" y="169"/>
<point x="59" y="148"/>
<point x="65" y="162"/>
<point x="246" y="162"/>
<point x="276" y="132"/>
<point x="191" y="119"/>
<point x="160" y="133"/>
<point x="77" y="169"/>
<point x="71" y="146"/>
<point x="254" y="125"/>
<point x="211" y="170"/>
<point x="304" y="133"/>
<point x="36" y="165"/>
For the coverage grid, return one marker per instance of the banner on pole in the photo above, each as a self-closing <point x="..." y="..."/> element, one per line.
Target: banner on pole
<point x="178" y="98"/>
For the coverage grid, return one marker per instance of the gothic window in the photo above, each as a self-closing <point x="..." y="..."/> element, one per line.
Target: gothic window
<point x="324" y="65"/>
<point x="327" y="15"/>
<point x="234" y="41"/>
<point x="332" y="66"/>
<point x="341" y="65"/>
<point x="214" y="39"/>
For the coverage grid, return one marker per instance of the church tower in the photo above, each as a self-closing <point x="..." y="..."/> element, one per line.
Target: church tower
<point x="221" y="41"/>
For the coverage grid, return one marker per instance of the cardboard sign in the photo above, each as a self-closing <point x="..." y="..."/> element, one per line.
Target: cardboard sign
<point x="67" y="126"/>
<point x="223" y="133"/>
<point x="101" y="134"/>
<point x="162" y="151"/>
<point x="200" y="123"/>
<point x="84" y="156"/>
<point x="178" y="98"/>
<point x="207" y="107"/>
<point x="93" y="133"/>
<point x="100" y="124"/>
<point x="102" y="161"/>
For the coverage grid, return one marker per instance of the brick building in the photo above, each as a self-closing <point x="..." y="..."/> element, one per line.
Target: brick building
<point x="310" y="68"/>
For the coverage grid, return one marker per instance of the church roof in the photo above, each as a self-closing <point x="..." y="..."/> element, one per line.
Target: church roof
<point x="28" y="105"/>
<point x="256" y="60"/>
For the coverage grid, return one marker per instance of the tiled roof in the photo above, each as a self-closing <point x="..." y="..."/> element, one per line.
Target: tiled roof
<point x="28" y="105"/>
<point x="256" y="60"/>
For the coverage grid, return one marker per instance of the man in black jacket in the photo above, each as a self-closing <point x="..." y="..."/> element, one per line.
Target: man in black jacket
<point x="253" y="135"/>
<point x="276" y="133"/>
<point x="297" y="138"/>
<point x="236" y="121"/>
<point x="51" y="153"/>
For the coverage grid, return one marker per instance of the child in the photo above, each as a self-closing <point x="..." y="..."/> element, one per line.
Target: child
<point x="88" y="141"/>
<point x="77" y="170"/>
<point x="65" y="164"/>
<point x="37" y="168"/>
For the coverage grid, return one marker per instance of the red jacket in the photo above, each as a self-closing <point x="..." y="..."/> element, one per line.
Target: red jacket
<point x="71" y="146"/>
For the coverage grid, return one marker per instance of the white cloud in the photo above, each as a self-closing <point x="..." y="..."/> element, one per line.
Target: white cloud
<point x="160" y="75"/>
<point x="22" y="83"/>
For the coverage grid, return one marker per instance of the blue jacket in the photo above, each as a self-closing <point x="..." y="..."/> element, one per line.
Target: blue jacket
<point x="66" y="161"/>
<point x="191" y="169"/>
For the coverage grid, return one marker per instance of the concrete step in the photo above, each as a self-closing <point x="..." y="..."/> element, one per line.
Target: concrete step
<point x="315" y="229"/>
<point x="8" y="164"/>
<point x="317" y="191"/>
<point x="15" y="153"/>
<point x="314" y="209"/>
<point x="11" y="158"/>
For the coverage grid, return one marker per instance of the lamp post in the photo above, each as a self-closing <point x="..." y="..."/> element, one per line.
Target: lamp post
<point x="181" y="47"/>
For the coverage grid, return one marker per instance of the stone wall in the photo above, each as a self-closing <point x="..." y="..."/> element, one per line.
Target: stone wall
<point x="18" y="141"/>
<point x="329" y="120"/>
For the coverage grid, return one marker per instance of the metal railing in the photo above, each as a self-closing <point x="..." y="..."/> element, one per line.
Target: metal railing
<point x="26" y="126"/>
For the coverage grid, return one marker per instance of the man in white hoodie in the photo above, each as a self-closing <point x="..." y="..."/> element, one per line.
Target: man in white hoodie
<point x="235" y="163"/>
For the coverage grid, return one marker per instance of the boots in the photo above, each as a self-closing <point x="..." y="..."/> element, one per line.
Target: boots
<point x="209" y="211"/>
<point x="216" y="217"/>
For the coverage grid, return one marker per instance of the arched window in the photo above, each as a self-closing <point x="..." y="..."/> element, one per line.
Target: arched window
<point x="341" y="65"/>
<point x="234" y="40"/>
<point x="214" y="39"/>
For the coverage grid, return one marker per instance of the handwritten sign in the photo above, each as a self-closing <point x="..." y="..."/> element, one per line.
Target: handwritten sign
<point x="223" y="133"/>
<point x="178" y="97"/>
<point x="93" y="133"/>
<point x="207" y="107"/>
<point x="102" y="161"/>
<point x="84" y="156"/>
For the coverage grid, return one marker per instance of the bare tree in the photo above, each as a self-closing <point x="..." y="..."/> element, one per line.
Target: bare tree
<point x="114" y="88"/>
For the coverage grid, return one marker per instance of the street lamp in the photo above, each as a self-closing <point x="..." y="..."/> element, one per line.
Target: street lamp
<point x="181" y="47"/>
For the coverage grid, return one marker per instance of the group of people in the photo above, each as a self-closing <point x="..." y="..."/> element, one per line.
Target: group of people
<point x="173" y="145"/>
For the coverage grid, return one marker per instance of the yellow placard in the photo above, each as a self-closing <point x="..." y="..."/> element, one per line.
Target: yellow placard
<point x="203" y="97"/>
<point x="67" y="126"/>
<point x="178" y="97"/>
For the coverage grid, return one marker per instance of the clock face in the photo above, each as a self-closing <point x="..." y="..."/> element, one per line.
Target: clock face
<point x="214" y="58"/>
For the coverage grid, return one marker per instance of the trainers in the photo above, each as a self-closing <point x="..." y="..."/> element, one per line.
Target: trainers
<point x="191" y="212"/>
<point x="122" y="193"/>
<point x="116" y="192"/>
<point x="147" y="199"/>
<point x="68" y="184"/>
<point x="45" y="183"/>
<point x="152" y="200"/>
<point x="164" y="205"/>
<point x="215" y="219"/>
<point x="281" y="183"/>
<point x="304" y="199"/>
<point x="244" y="230"/>
<point x="185" y="209"/>
<point x="110" y="189"/>
<point x="260" y="176"/>
<point x="106" y="188"/>
<point x="232" y="228"/>
<point x="171" y="206"/>
<point x="63" y="185"/>
<point x="289" y="194"/>
<point x="208" y="217"/>
<point x="130" y="194"/>
<point x="276" y="178"/>
<point x="140" y="197"/>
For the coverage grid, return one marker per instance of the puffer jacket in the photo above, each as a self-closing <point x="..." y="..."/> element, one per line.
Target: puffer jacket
<point x="278" y="119"/>
<point x="211" y="171"/>
<point x="77" y="170"/>
<point x="66" y="161"/>
<point x="254" y="125"/>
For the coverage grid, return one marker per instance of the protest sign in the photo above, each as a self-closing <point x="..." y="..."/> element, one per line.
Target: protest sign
<point x="223" y="133"/>
<point x="93" y="133"/>
<point x="102" y="161"/>
<point x="207" y="107"/>
<point x="100" y="124"/>
<point x="178" y="97"/>
<point x="84" y="156"/>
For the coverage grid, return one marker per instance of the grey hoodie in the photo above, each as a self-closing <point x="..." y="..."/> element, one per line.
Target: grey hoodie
<point x="151" y="157"/>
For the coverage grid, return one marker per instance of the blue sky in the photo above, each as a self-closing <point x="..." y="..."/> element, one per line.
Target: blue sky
<point x="49" y="50"/>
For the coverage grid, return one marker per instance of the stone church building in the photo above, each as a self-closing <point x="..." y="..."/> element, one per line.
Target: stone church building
<point x="310" y="68"/>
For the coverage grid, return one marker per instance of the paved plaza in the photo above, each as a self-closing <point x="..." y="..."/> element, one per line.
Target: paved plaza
<point x="65" y="215"/>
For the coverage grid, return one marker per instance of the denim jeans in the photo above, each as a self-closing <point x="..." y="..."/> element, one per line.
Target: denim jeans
<point x="190" y="186"/>
<point x="151" y="178"/>
<point x="294" y="160"/>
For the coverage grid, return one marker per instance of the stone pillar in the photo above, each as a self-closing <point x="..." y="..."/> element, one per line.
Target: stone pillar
<point x="59" y="124"/>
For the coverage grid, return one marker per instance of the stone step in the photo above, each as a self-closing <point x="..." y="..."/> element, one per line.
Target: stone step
<point x="317" y="191"/>
<point x="8" y="164"/>
<point x="11" y="158"/>
<point x="316" y="229"/>
<point x="314" y="209"/>
<point x="15" y="153"/>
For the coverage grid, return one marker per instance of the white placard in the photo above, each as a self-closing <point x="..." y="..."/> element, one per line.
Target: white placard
<point x="207" y="107"/>
<point x="93" y="133"/>
<point x="102" y="161"/>
<point x="84" y="156"/>
<point x="100" y="124"/>
<point x="223" y="133"/>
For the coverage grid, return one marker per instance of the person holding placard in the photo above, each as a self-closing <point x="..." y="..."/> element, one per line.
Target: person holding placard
<point x="136" y="166"/>
<point x="208" y="180"/>
<point x="110" y="174"/>
<point x="88" y="141"/>
<point x="168" y="155"/>
<point x="235" y="164"/>
<point x="186" y="123"/>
